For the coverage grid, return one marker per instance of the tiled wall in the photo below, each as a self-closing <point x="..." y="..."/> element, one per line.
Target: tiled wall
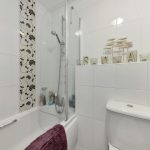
<point x="95" y="85"/>
<point x="10" y="55"/>
<point x="97" y="28"/>
<point x="9" y="58"/>
<point x="27" y="55"/>
<point x="47" y="47"/>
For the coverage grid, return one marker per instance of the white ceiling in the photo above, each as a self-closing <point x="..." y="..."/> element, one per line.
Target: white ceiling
<point x="52" y="4"/>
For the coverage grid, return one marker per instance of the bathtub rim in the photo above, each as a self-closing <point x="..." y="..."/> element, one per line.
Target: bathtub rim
<point x="21" y="115"/>
<point x="17" y="117"/>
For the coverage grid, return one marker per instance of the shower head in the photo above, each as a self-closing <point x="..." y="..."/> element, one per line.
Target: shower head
<point x="55" y="34"/>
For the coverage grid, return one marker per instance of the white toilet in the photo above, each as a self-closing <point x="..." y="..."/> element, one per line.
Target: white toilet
<point x="128" y="126"/>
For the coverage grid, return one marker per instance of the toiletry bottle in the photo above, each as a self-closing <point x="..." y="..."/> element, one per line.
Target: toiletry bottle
<point x="43" y="100"/>
<point x="51" y="98"/>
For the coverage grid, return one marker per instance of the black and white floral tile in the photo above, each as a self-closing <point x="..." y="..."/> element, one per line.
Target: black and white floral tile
<point x="27" y="55"/>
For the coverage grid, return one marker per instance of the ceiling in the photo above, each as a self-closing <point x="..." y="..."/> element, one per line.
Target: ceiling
<point x="52" y="4"/>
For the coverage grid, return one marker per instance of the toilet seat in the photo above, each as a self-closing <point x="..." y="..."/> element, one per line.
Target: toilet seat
<point x="112" y="148"/>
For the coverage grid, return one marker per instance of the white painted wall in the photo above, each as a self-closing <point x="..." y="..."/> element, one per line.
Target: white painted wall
<point x="95" y="85"/>
<point x="97" y="16"/>
<point x="9" y="58"/>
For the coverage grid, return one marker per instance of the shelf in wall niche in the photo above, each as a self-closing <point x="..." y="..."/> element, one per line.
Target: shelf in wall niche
<point x="129" y="109"/>
<point x="115" y="64"/>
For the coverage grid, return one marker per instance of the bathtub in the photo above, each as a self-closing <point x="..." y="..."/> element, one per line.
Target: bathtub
<point x="29" y="125"/>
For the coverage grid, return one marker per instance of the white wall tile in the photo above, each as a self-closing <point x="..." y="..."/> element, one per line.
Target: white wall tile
<point x="9" y="101"/>
<point x="130" y="86"/>
<point x="91" y="134"/>
<point x="143" y="7"/>
<point x="131" y="76"/>
<point x="129" y="10"/>
<point x="85" y="132"/>
<point x="97" y="16"/>
<point x="84" y="101"/>
<point x="9" y="37"/>
<point x="78" y="147"/>
<point x="101" y="96"/>
<point x="131" y="30"/>
<point x="48" y="49"/>
<point x="94" y="41"/>
<point x="148" y="76"/>
<point x="145" y="35"/>
<point x="104" y="75"/>
<point x="148" y="98"/>
<point x="130" y="79"/>
<point x="92" y="14"/>
<point x="9" y="66"/>
<point x="131" y="96"/>
<point x="99" y="140"/>
<point x="9" y="58"/>
<point x="84" y="75"/>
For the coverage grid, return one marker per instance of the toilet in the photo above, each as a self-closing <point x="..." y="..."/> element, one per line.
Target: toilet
<point x="127" y="126"/>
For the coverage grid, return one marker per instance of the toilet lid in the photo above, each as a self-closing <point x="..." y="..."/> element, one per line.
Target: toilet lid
<point x="112" y="148"/>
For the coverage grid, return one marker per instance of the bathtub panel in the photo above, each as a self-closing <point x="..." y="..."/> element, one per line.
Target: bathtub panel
<point x="31" y="125"/>
<point x="19" y="131"/>
<point x="71" y="132"/>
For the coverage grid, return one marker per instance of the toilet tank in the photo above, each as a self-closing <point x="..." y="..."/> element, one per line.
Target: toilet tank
<point x="128" y="126"/>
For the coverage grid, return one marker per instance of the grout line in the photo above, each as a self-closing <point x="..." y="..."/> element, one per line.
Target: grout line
<point x="113" y="88"/>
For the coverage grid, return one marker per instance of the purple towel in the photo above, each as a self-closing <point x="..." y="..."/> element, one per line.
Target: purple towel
<point x="53" y="139"/>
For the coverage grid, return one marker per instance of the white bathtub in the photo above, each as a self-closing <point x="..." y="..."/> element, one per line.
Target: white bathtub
<point x="32" y="124"/>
